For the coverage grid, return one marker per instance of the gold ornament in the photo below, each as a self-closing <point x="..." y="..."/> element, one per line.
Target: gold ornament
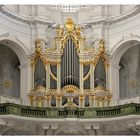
<point x="101" y="47"/>
<point x="69" y="24"/>
<point x="70" y="89"/>
<point x="82" y="97"/>
<point x="38" y="45"/>
<point x="59" y="31"/>
<point x="7" y="84"/>
<point x="101" y="54"/>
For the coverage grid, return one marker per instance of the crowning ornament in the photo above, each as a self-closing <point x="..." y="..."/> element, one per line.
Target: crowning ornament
<point x="69" y="30"/>
<point x="69" y="25"/>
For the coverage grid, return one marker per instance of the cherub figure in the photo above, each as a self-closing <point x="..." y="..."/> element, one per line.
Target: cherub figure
<point x="38" y="46"/>
<point x="59" y="31"/>
<point x="101" y="47"/>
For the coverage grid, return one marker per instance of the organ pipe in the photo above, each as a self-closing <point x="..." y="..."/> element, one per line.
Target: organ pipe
<point x="70" y="65"/>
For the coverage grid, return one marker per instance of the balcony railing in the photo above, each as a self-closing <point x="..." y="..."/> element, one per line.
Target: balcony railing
<point x="46" y="112"/>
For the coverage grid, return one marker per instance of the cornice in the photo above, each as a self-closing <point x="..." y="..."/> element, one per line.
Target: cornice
<point x="119" y="19"/>
<point x="113" y="20"/>
<point x="123" y="39"/>
<point x="24" y="20"/>
<point x="104" y="20"/>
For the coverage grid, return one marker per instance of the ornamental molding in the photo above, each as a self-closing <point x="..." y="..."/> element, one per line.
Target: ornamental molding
<point x="124" y="39"/>
<point x="134" y="12"/>
<point x="24" y="65"/>
<point x="24" y="20"/>
<point x="105" y="20"/>
<point x="15" y="39"/>
<point x="4" y="35"/>
<point x="113" y="20"/>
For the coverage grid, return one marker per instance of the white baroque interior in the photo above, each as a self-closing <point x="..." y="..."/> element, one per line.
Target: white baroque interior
<point x="21" y="25"/>
<point x="118" y="25"/>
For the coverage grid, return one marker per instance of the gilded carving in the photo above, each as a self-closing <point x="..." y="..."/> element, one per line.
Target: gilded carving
<point x="86" y="57"/>
<point x="59" y="31"/>
<point x="7" y="84"/>
<point x="101" y="54"/>
<point x="69" y="24"/>
<point x="70" y="31"/>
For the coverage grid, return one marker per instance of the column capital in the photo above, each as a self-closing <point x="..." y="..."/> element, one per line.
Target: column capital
<point x="24" y="65"/>
<point x="115" y="67"/>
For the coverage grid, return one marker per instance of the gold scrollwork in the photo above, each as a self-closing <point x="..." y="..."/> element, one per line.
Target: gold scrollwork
<point x="39" y="52"/>
<point x="70" y="89"/>
<point x="101" y="54"/>
<point x="59" y="31"/>
<point x="58" y="97"/>
<point x="82" y="97"/>
<point x="70" y="31"/>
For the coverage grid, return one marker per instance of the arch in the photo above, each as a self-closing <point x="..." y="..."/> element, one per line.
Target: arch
<point x="40" y="74"/>
<point x="10" y="77"/>
<point x="100" y="74"/>
<point x="21" y="51"/>
<point x="74" y="39"/>
<point x="17" y="46"/>
<point x="117" y="52"/>
<point x="122" y="46"/>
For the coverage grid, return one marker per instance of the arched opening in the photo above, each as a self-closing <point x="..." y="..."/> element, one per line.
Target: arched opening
<point x="9" y="72"/>
<point x="129" y="72"/>
<point x="100" y="74"/>
<point x="117" y="69"/>
<point x="40" y="74"/>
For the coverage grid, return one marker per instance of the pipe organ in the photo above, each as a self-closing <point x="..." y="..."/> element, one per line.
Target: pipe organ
<point x="69" y="65"/>
<point x="77" y="74"/>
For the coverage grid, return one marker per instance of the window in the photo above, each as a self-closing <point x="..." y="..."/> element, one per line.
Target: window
<point x="69" y="8"/>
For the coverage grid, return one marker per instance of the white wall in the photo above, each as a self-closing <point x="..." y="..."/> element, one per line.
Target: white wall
<point x="6" y="99"/>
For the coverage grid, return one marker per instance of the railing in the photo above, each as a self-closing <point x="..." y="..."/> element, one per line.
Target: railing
<point x="71" y="113"/>
<point x="46" y="112"/>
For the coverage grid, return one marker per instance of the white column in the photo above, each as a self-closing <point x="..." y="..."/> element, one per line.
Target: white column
<point x="114" y="84"/>
<point x="58" y="76"/>
<point x="81" y="64"/>
<point x="81" y="75"/>
<point x="91" y="76"/>
<point x="93" y="86"/>
<point x="92" y="102"/>
<point x="48" y="101"/>
<point x="48" y="76"/>
<point x="25" y="83"/>
<point x="81" y="45"/>
<point x="58" y="101"/>
<point x="32" y="77"/>
<point x="107" y="77"/>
